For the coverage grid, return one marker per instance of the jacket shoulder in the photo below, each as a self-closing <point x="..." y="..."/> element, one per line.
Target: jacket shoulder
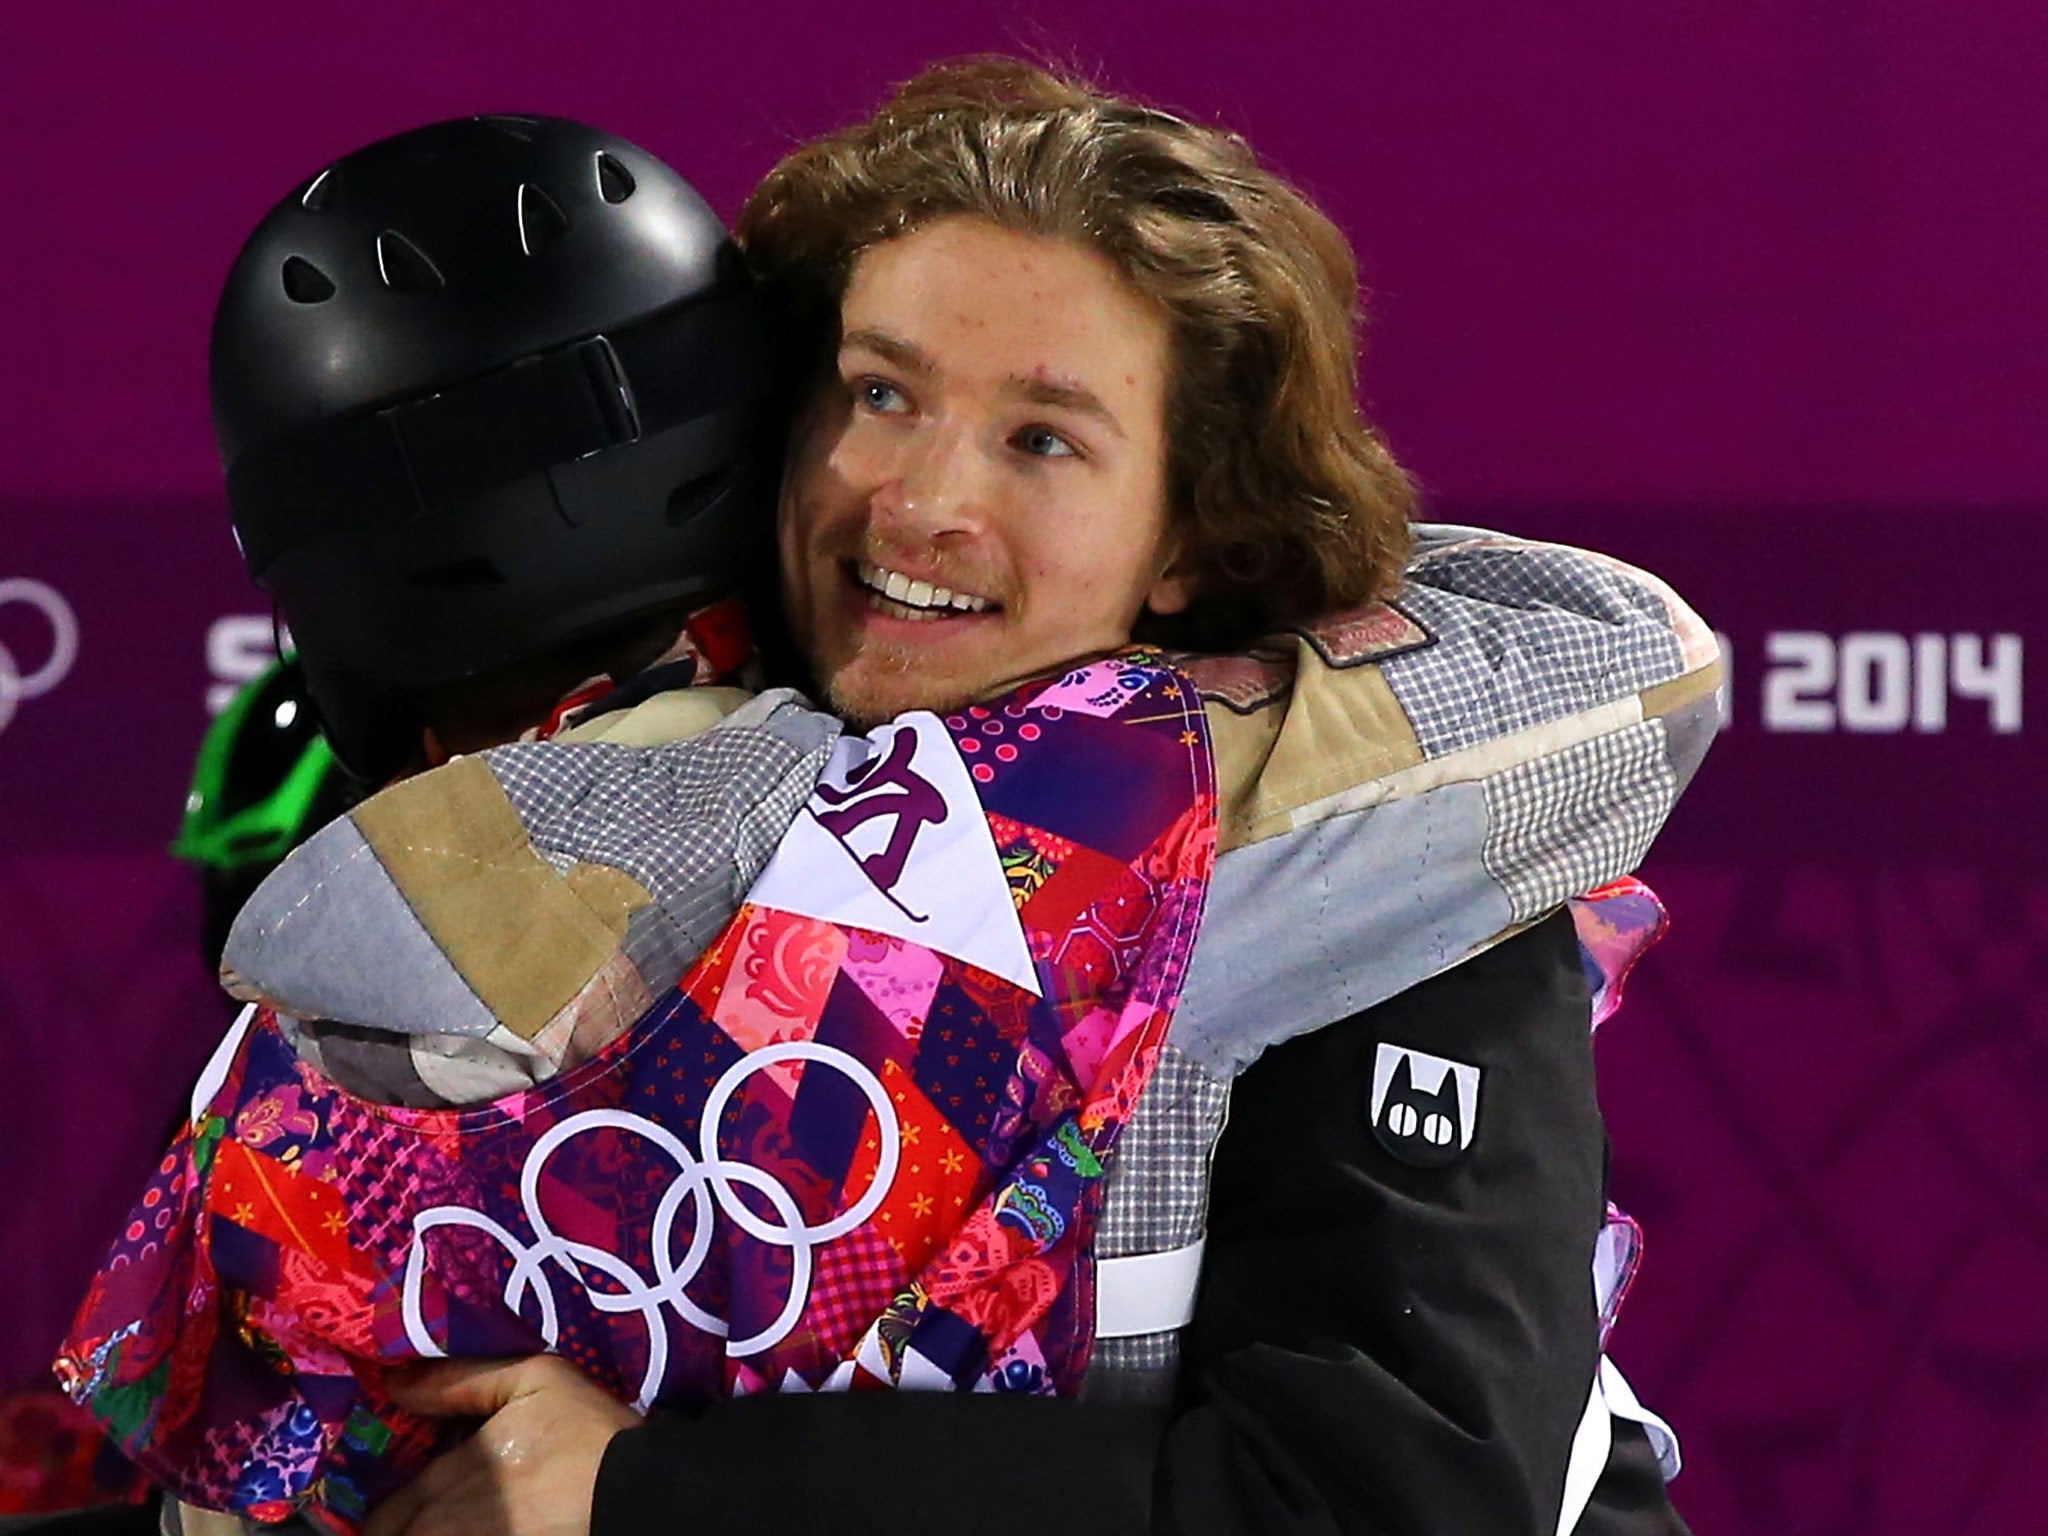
<point x="1497" y="652"/>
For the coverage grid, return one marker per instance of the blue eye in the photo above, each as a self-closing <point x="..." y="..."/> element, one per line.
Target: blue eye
<point x="1044" y="443"/>
<point x="880" y="396"/>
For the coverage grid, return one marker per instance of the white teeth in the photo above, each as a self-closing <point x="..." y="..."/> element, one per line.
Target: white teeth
<point x="922" y="595"/>
<point x="894" y="609"/>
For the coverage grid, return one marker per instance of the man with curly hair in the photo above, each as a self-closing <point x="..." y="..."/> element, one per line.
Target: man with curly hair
<point x="1085" y="372"/>
<point x="1079" y="374"/>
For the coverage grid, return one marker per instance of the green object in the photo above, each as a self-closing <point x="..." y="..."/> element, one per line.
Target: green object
<point x="265" y="773"/>
<point x="1078" y="1153"/>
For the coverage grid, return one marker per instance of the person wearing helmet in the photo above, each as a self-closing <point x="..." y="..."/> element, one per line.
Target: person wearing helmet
<point x="495" y="408"/>
<point x="1314" y="729"/>
<point x="494" y="404"/>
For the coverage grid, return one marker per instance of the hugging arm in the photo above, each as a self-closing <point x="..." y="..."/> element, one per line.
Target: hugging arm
<point x="1375" y="1348"/>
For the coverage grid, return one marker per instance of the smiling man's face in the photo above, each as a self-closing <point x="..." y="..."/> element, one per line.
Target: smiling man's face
<point x="978" y="493"/>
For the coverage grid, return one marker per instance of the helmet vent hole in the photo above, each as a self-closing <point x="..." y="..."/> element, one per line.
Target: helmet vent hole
<point x="305" y="283"/>
<point x="541" y="220"/>
<point x="614" y="181"/>
<point x="319" y="192"/>
<point x="457" y="576"/>
<point x="404" y="267"/>
<point x="524" y="129"/>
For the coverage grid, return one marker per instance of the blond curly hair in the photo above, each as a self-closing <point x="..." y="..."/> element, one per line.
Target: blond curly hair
<point x="1290" y="503"/>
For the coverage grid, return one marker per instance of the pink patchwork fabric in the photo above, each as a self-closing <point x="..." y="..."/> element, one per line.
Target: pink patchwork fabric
<point x="861" y="1145"/>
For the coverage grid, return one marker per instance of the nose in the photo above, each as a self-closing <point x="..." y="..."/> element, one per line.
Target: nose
<point x="934" y="491"/>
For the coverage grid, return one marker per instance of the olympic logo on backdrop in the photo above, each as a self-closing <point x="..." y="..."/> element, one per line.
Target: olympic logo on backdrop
<point x="18" y="684"/>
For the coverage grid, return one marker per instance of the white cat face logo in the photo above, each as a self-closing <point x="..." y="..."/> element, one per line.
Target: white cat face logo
<point x="1425" y="1109"/>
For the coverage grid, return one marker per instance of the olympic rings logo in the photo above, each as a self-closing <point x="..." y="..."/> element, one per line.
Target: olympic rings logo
<point x="17" y="685"/>
<point x="699" y="1174"/>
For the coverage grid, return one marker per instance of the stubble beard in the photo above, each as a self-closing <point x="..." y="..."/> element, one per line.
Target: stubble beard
<point x="879" y="682"/>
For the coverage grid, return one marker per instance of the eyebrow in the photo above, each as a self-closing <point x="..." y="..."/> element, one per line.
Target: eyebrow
<point x="1059" y="393"/>
<point x="902" y="353"/>
<point x="1064" y="394"/>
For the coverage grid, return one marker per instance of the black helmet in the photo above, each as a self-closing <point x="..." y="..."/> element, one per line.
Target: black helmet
<point x="480" y="389"/>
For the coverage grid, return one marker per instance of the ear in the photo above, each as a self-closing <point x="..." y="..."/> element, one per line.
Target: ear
<point x="1174" y="587"/>
<point x="431" y="747"/>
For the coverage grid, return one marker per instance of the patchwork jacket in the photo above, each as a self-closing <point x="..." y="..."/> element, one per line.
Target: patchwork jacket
<point x="1398" y="791"/>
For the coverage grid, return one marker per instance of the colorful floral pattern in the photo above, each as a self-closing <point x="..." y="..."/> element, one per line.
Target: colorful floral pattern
<point x="831" y="1158"/>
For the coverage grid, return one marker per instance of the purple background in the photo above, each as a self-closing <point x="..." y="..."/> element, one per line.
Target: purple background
<point x="1745" y="292"/>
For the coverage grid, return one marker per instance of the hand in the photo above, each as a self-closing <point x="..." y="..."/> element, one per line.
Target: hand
<point x="531" y="1467"/>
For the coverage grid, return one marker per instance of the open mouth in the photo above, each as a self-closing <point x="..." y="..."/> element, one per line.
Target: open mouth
<point x="903" y="597"/>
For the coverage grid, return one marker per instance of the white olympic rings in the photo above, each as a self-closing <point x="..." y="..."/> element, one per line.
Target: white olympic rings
<point x="705" y="1170"/>
<point x="16" y="685"/>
